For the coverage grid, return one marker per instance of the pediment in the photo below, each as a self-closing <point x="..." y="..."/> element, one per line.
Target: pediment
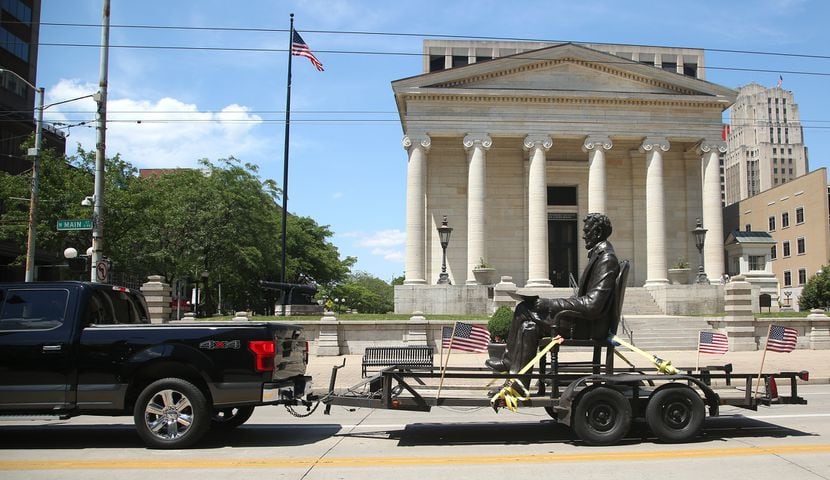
<point x="562" y="70"/>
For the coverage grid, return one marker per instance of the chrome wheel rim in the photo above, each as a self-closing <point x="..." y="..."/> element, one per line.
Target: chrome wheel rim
<point x="168" y="414"/>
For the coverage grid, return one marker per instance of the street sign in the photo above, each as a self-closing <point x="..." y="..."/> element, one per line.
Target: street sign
<point x="81" y="224"/>
<point x="102" y="271"/>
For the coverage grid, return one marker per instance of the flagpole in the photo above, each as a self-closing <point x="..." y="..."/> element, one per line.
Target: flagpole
<point x="697" y="363"/>
<point x="763" y="358"/>
<point x="285" y="163"/>
<point x="444" y="367"/>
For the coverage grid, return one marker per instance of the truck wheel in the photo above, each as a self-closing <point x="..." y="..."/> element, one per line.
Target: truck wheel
<point x="675" y="414"/>
<point x="227" y="418"/>
<point x="602" y="416"/>
<point x="171" y="413"/>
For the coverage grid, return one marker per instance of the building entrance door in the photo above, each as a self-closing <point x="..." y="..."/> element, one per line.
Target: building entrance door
<point x="562" y="248"/>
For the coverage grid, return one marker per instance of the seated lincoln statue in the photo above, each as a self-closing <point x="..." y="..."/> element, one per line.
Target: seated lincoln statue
<point x="589" y="311"/>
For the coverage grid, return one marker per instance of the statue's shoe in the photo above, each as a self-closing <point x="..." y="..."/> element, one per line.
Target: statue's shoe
<point x="501" y="365"/>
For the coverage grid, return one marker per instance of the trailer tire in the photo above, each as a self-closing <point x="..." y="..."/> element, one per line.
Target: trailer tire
<point x="231" y="417"/>
<point x="602" y="416"/>
<point x="675" y="414"/>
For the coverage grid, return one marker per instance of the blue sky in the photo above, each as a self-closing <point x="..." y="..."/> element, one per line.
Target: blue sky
<point x="347" y="165"/>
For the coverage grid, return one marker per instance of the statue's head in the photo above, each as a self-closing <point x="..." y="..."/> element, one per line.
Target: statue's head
<point x="596" y="228"/>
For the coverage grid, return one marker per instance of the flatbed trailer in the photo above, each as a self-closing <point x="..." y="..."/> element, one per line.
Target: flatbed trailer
<point x="599" y="407"/>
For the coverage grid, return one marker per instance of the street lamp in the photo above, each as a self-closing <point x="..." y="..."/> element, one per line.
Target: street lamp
<point x="444" y="232"/>
<point x="35" y="154"/>
<point x="700" y="238"/>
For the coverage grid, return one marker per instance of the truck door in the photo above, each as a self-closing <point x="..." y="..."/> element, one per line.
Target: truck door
<point x="36" y="366"/>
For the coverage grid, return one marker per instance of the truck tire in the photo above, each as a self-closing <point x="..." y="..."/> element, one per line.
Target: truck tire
<point x="675" y="414"/>
<point x="602" y="416"/>
<point x="171" y="413"/>
<point x="227" y="418"/>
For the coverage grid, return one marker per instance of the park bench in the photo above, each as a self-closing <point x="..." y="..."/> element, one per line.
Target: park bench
<point x="410" y="357"/>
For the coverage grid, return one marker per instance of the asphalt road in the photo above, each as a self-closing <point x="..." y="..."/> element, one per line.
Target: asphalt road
<point x="778" y="442"/>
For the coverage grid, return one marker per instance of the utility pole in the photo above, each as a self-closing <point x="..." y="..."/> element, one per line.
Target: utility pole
<point x="33" y="197"/>
<point x="35" y="154"/>
<point x="100" y="150"/>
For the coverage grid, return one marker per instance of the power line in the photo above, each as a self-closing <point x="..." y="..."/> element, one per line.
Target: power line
<point x="426" y="35"/>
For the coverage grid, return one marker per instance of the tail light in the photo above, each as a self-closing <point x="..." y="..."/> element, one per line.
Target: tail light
<point x="804" y="375"/>
<point x="265" y="351"/>
<point x="305" y="353"/>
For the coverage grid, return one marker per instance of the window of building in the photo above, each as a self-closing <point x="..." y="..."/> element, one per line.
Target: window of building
<point x="690" y="69"/>
<point x="19" y="10"/>
<point x="562" y="196"/>
<point x="15" y="45"/>
<point x="757" y="262"/>
<point x="772" y="223"/>
<point x="670" y="67"/>
<point x="773" y="252"/>
<point x="775" y="170"/>
<point x="785" y="219"/>
<point x="436" y="63"/>
<point x="800" y="246"/>
<point x="802" y="276"/>
<point x="788" y="278"/>
<point x="799" y="215"/>
<point x="461" y="60"/>
<point x="748" y="227"/>
<point x="786" y="247"/>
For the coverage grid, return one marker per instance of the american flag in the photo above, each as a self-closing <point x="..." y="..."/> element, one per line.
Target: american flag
<point x="300" y="49"/>
<point x="782" y="339"/>
<point x="446" y="335"/>
<point x="468" y="338"/>
<point x="712" y="342"/>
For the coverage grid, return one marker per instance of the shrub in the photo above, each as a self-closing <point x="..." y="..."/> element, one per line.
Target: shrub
<point x="816" y="293"/>
<point x="499" y="324"/>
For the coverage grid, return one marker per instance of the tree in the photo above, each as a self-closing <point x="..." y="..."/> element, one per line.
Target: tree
<point x="366" y="293"/>
<point x="816" y="293"/>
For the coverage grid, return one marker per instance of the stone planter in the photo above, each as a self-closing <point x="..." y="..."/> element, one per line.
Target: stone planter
<point x="486" y="275"/>
<point x="679" y="276"/>
<point x="496" y="350"/>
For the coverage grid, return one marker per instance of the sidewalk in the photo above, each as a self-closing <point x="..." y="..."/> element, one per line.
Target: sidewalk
<point x="817" y="362"/>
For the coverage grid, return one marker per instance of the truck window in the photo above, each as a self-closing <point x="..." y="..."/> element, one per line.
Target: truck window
<point x="33" y="309"/>
<point x="107" y="307"/>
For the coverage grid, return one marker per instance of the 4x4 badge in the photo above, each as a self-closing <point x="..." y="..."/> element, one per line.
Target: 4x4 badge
<point x="219" y="344"/>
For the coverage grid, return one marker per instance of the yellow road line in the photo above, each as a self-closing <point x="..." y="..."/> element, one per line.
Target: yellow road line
<point x="593" y="456"/>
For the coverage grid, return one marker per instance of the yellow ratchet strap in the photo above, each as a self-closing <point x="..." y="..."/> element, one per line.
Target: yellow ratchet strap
<point x="663" y="366"/>
<point x="513" y="389"/>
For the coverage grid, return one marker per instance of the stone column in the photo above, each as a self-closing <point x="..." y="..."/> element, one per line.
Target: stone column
<point x="328" y="341"/>
<point x="416" y="330"/>
<point x="656" y="272"/>
<point x="713" y="256"/>
<point x="157" y="294"/>
<point x="416" y="179"/>
<point x="739" y="320"/>
<point x="596" y="146"/>
<point x="818" y="332"/>
<point x="476" y="146"/>
<point x="537" y="211"/>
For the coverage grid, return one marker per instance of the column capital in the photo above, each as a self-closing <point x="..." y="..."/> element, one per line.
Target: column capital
<point x="419" y="140"/>
<point x="706" y="146"/>
<point x="596" y="142"/>
<point x="481" y="139"/>
<point x="537" y="141"/>
<point x="651" y="144"/>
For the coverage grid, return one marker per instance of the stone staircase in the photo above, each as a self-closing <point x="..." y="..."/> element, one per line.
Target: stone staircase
<point x="655" y="333"/>
<point x="639" y="302"/>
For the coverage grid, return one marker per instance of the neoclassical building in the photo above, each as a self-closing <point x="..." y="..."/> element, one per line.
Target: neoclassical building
<point x="515" y="150"/>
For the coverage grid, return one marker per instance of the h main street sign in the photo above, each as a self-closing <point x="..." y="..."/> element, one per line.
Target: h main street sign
<point x="75" y="224"/>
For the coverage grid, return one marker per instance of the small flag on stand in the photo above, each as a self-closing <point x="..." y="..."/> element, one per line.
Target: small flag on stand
<point x="469" y="338"/>
<point x="446" y="336"/>
<point x="782" y="339"/>
<point x="780" y="81"/>
<point x="300" y="49"/>
<point x="712" y="342"/>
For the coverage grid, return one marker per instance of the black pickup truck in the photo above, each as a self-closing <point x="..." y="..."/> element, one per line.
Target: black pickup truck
<point x="79" y="348"/>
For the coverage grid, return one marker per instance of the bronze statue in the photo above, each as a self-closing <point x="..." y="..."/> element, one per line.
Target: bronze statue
<point x="592" y="306"/>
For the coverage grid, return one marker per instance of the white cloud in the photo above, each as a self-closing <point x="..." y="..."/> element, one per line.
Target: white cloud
<point x="381" y="238"/>
<point x="158" y="133"/>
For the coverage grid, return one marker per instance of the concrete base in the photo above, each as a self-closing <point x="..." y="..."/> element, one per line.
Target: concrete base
<point x="312" y="310"/>
<point x="328" y="340"/>
<point x="449" y="299"/>
<point x="688" y="299"/>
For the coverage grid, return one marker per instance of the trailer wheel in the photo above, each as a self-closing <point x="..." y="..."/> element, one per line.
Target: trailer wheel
<point x="171" y="413"/>
<point x="602" y="416"/>
<point x="227" y="418"/>
<point x="675" y="414"/>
